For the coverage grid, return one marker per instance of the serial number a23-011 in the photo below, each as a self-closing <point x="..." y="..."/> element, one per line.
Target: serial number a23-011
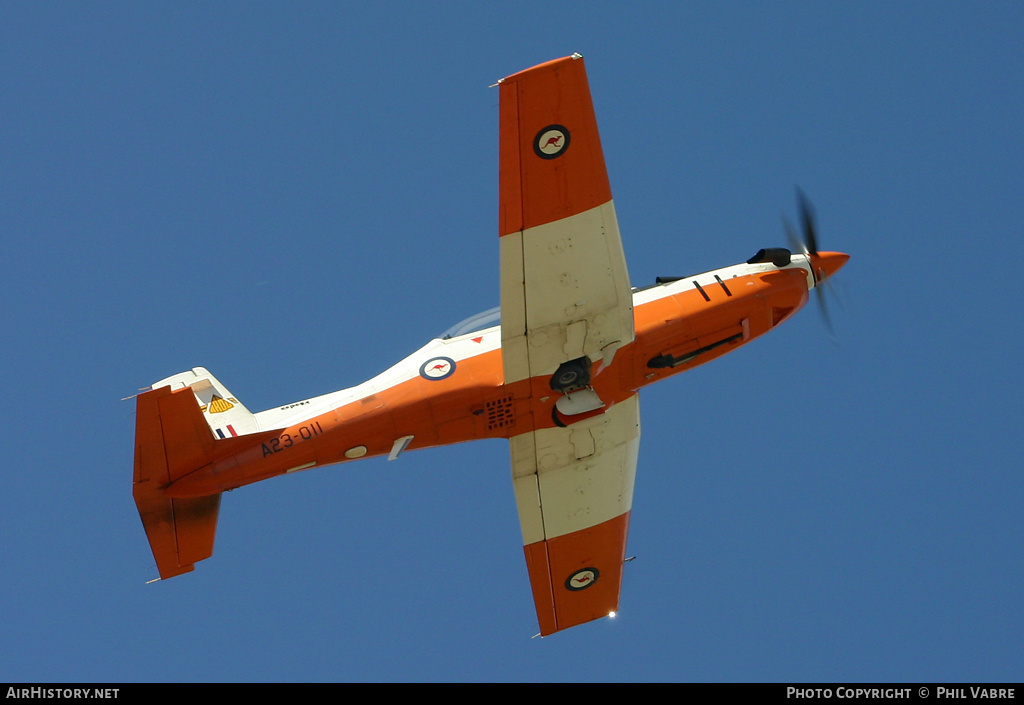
<point x="287" y="440"/>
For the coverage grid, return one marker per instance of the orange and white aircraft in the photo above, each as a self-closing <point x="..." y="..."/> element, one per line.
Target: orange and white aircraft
<point x="559" y="378"/>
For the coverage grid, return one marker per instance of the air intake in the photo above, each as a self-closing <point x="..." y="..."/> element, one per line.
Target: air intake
<point x="779" y="256"/>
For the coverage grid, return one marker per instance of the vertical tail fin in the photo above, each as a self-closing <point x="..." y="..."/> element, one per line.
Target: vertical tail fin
<point x="225" y="415"/>
<point x="171" y="440"/>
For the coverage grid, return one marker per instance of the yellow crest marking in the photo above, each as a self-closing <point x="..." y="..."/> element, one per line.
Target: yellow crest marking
<point x="219" y="405"/>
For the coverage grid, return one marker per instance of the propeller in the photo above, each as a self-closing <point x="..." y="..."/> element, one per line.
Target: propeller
<point x="823" y="264"/>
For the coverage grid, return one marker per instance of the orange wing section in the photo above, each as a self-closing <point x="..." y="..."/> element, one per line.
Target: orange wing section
<point x="576" y="578"/>
<point x="546" y="112"/>
<point x="171" y="440"/>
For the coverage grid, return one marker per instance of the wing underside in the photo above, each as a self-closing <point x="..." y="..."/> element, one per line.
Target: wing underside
<point x="574" y="491"/>
<point x="565" y="295"/>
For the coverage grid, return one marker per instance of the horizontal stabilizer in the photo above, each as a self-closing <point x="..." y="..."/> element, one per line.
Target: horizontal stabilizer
<point x="171" y="440"/>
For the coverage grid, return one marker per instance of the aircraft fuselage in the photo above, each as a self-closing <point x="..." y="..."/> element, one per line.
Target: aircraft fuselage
<point x="453" y="390"/>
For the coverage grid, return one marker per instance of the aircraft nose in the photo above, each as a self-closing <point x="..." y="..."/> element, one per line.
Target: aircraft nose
<point x="828" y="263"/>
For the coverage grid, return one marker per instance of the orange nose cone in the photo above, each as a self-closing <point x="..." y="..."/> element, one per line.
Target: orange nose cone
<point x="828" y="263"/>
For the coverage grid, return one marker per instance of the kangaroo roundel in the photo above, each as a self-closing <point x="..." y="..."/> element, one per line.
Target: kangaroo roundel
<point x="551" y="142"/>
<point x="437" y="368"/>
<point x="582" y="579"/>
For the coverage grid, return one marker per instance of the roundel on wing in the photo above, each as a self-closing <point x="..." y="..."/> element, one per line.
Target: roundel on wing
<point x="551" y="142"/>
<point x="437" y="368"/>
<point x="582" y="579"/>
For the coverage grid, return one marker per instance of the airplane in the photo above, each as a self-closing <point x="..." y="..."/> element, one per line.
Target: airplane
<point x="555" y="369"/>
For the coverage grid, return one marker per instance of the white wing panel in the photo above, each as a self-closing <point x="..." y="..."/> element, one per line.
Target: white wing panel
<point x="572" y="478"/>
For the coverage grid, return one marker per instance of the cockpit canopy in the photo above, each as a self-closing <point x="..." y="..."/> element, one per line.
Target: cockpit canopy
<point x="477" y="322"/>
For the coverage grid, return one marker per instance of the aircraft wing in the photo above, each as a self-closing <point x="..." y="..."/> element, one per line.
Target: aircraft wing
<point x="565" y="295"/>
<point x="574" y="492"/>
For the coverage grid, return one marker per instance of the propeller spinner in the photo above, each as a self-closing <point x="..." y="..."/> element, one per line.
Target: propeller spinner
<point x="823" y="264"/>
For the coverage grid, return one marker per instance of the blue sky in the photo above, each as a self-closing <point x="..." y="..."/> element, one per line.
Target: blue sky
<point x="296" y="196"/>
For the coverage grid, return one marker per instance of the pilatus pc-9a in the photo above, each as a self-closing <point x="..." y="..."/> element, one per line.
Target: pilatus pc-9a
<point x="559" y="377"/>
